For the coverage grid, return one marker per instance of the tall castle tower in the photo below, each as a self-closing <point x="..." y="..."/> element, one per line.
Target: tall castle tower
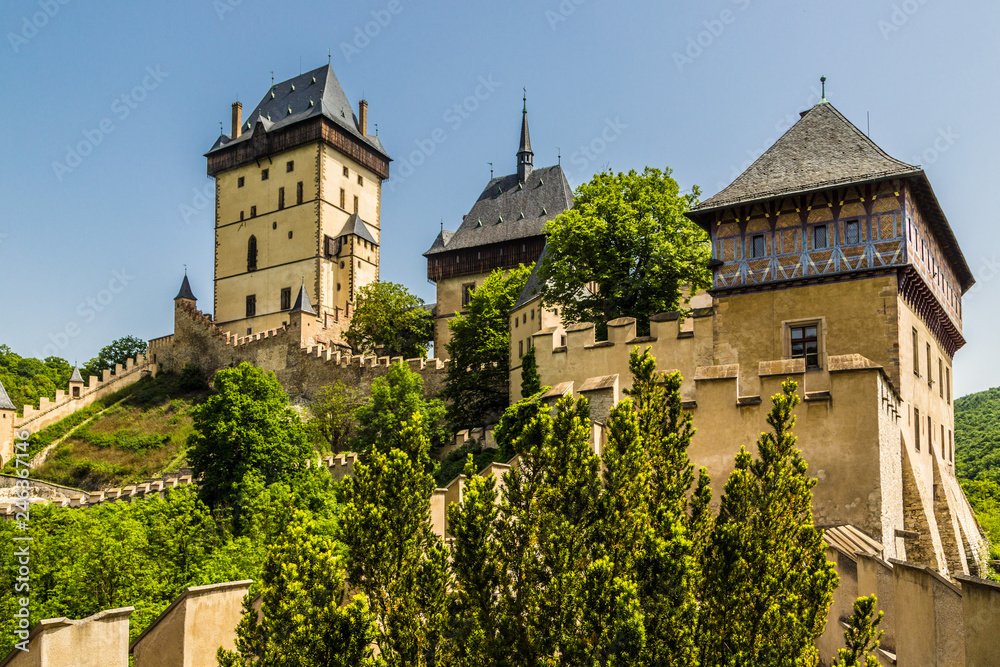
<point x="298" y="188"/>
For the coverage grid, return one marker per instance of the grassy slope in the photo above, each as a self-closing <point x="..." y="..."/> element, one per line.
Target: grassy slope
<point x="140" y="435"/>
<point x="977" y="458"/>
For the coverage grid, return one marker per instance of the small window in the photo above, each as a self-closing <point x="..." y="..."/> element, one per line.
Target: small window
<point x="338" y="287"/>
<point x="286" y="297"/>
<point x="252" y="254"/>
<point x="852" y="232"/>
<point x="343" y="197"/>
<point x="355" y="204"/>
<point x="916" y="352"/>
<point x="947" y="381"/>
<point x="941" y="378"/>
<point x="281" y="198"/>
<point x="239" y="182"/>
<point x="274" y="225"/>
<point x="298" y="192"/>
<point x="930" y="435"/>
<point x="253" y="211"/>
<point x="524" y="318"/>
<point x="819" y="237"/>
<point x="517" y="321"/>
<point x="290" y="166"/>
<point x="805" y="344"/>
<point x="758" y="246"/>
<point x="916" y="428"/>
<point x="345" y="172"/>
<point x="76" y="394"/>
<point x="520" y="348"/>
<point x="930" y="375"/>
<point x="264" y="173"/>
<point x="361" y="180"/>
<point x="951" y="447"/>
<point x="289" y="234"/>
<point x="532" y="314"/>
<point x="251" y="305"/>
<point x="241" y="215"/>
<point x="467" y="290"/>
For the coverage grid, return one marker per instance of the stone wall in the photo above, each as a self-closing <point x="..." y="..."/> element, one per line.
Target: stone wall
<point x="100" y="640"/>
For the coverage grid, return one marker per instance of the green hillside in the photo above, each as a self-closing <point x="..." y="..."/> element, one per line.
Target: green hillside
<point x="977" y="458"/>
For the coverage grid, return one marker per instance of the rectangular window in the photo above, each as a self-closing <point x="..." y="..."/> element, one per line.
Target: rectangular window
<point x="286" y="297"/>
<point x="355" y="204"/>
<point x="239" y="182"/>
<point x="520" y="348"/>
<point x="343" y="198"/>
<point x="805" y="344"/>
<point x="361" y="180"/>
<point x="947" y="381"/>
<point x="264" y="174"/>
<point x="290" y="166"/>
<point x="819" y="237"/>
<point x="242" y="213"/>
<point x="916" y="353"/>
<point x="467" y="293"/>
<point x="532" y="313"/>
<point x="251" y="305"/>
<point x="517" y="321"/>
<point x="930" y="375"/>
<point x="852" y="232"/>
<point x="298" y="192"/>
<point x="916" y="428"/>
<point x="951" y="447"/>
<point x="281" y="198"/>
<point x="253" y="211"/>
<point x="758" y="246"/>
<point x="941" y="378"/>
<point x="345" y="172"/>
<point x="930" y="435"/>
<point x="944" y="448"/>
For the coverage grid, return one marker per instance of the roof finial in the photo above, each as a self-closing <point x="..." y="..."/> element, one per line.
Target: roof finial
<point x="272" y="78"/>
<point x="328" y="56"/>
<point x="822" y="80"/>
<point x="491" y="170"/>
<point x="525" y="99"/>
<point x="559" y="155"/>
<point x="220" y="127"/>
<point x="442" y="223"/>
<point x="185" y="269"/>
<point x="376" y="129"/>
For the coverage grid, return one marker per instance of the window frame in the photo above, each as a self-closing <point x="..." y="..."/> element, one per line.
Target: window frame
<point x="467" y="289"/>
<point x="286" y="298"/>
<point x="290" y="166"/>
<point x="251" y="305"/>
<point x="240" y="181"/>
<point x="916" y="428"/>
<point x="826" y="237"/>
<point x="265" y="174"/>
<point x="753" y="246"/>
<point x="856" y="225"/>
<point x="791" y="341"/>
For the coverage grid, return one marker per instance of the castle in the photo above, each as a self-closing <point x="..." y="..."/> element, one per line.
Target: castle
<point x="832" y="263"/>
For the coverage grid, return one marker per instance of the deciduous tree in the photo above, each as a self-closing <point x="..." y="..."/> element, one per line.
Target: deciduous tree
<point x="390" y="321"/>
<point x="333" y="415"/>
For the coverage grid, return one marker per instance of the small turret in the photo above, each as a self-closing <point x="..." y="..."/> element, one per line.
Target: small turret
<point x="76" y="384"/>
<point x="304" y="317"/>
<point x="185" y="293"/>
<point x="7" y="414"/>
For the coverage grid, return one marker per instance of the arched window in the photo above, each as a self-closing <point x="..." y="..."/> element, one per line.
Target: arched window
<point x="252" y="254"/>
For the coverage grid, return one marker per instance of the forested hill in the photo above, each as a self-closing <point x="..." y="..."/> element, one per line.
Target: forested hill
<point x="977" y="436"/>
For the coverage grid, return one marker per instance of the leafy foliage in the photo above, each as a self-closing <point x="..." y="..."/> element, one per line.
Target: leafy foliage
<point x="118" y="351"/>
<point x="27" y="380"/>
<point x="479" y="371"/>
<point x="862" y="635"/>
<point x="977" y="436"/>
<point x="396" y="397"/>
<point x="390" y="321"/>
<point x="768" y="583"/>
<point x="531" y="382"/>
<point x="333" y="422"/>
<point x="247" y="435"/>
<point x="625" y="249"/>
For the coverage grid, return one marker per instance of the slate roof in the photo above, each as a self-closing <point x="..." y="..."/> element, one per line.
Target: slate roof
<point x="5" y="402"/>
<point x="505" y="212"/>
<point x="185" y="291"/>
<point x="315" y="93"/>
<point x="302" y="303"/>
<point x="76" y="377"/>
<point x="355" y="225"/>
<point x="822" y="149"/>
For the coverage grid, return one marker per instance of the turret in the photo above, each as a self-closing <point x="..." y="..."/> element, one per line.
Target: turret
<point x="7" y="414"/>
<point x="76" y="384"/>
<point x="304" y="317"/>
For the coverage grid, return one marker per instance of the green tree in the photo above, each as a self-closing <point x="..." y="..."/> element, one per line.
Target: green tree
<point x="768" y="584"/>
<point x="479" y="371"/>
<point x="246" y="436"/>
<point x="396" y="397"/>
<point x="394" y="557"/>
<point x="118" y="351"/>
<point x="333" y="419"/>
<point x="531" y="383"/>
<point x="306" y="617"/>
<point x="862" y="635"/>
<point x="625" y="249"/>
<point x="390" y="321"/>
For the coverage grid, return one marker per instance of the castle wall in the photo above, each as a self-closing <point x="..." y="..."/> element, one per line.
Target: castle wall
<point x="100" y="640"/>
<point x="980" y="603"/>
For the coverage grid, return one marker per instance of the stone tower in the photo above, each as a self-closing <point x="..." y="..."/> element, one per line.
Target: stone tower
<point x="7" y="414"/>
<point x="298" y="201"/>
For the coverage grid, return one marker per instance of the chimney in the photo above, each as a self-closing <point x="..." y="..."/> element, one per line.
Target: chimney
<point x="363" y="117"/>
<point x="237" y="119"/>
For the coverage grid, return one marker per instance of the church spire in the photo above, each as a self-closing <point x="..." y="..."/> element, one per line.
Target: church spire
<point x="525" y="157"/>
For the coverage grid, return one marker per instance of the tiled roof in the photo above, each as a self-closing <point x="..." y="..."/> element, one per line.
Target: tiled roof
<point x="185" y="291"/>
<point x="302" y="303"/>
<point x="76" y="377"/>
<point x="508" y="210"/>
<point x="358" y="227"/>
<point x="315" y="93"/>
<point x="822" y="149"/>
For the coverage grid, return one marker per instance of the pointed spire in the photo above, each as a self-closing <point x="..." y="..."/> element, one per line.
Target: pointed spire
<point x="822" y="81"/>
<point x="302" y="303"/>
<point x="185" y="291"/>
<point x="76" y="377"/>
<point x="525" y="157"/>
<point x="5" y="402"/>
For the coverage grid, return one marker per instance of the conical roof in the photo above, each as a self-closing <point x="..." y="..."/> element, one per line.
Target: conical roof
<point x="822" y="149"/>
<point x="525" y="145"/>
<point x="5" y="402"/>
<point x="76" y="377"/>
<point x="185" y="291"/>
<point x="302" y="303"/>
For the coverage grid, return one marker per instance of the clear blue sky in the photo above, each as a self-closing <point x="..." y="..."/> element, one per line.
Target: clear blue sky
<point x="96" y="246"/>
